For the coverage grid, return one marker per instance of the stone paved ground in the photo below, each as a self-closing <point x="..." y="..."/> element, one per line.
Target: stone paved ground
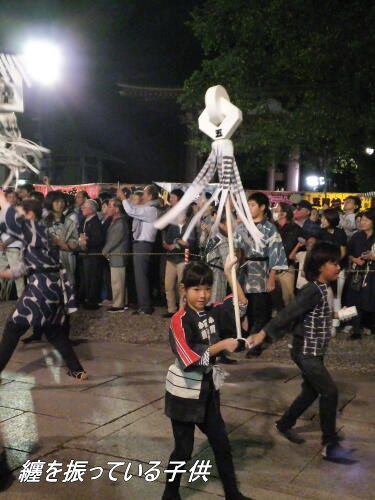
<point x="117" y="416"/>
<point x="353" y="357"/>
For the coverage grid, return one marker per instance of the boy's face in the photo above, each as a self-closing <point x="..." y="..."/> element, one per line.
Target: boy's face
<point x="257" y="212"/>
<point x="329" y="272"/>
<point x="197" y="297"/>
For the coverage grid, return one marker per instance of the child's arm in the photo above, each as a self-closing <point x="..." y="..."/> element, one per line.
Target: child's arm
<point x="307" y="298"/>
<point x="230" y="344"/>
<point x="229" y="263"/>
<point x="190" y="353"/>
<point x="256" y="339"/>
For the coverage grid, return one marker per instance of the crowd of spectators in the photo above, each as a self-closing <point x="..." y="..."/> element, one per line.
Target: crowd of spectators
<point x="115" y="257"/>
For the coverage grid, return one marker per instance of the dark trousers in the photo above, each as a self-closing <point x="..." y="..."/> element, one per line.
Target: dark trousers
<point x="259" y="310"/>
<point x="316" y="382"/>
<point x="90" y="279"/>
<point x="142" y="263"/>
<point x="106" y="288"/>
<point x="55" y="335"/>
<point x="38" y="331"/>
<point x="213" y="427"/>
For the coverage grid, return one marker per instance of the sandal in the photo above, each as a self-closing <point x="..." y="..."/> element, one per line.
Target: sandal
<point x="80" y="375"/>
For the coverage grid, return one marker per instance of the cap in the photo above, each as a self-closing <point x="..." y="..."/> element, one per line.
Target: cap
<point x="304" y="204"/>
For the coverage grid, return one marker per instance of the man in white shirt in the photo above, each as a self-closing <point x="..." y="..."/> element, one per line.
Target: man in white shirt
<point x="144" y="235"/>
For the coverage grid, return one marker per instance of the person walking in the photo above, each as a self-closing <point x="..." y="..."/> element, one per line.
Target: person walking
<point x="311" y="317"/>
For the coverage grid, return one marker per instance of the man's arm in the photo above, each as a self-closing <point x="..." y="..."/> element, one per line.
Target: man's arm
<point x="142" y="212"/>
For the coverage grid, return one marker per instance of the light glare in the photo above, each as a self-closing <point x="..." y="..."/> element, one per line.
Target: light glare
<point x="43" y="61"/>
<point x="312" y="181"/>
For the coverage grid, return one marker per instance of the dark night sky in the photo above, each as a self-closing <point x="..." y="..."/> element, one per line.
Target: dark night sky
<point x="109" y="41"/>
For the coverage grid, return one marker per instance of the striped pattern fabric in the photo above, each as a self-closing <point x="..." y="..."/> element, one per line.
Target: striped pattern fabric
<point x="183" y="384"/>
<point x="318" y="325"/>
<point x="186" y="354"/>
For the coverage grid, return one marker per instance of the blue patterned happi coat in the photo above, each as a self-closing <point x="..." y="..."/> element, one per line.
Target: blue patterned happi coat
<point x="48" y="295"/>
<point x="253" y="276"/>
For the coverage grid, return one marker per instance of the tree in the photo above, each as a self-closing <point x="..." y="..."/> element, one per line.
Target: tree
<point x="301" y="71"/>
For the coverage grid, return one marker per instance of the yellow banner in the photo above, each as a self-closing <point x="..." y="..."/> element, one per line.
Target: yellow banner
<point x="320" y="199"/>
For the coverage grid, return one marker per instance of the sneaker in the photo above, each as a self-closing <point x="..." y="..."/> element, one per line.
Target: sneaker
<point x="115" y="309"/>
<point x="289" y="434"/>
<point x="79" y="375"/>
<point x="337" y="454"/>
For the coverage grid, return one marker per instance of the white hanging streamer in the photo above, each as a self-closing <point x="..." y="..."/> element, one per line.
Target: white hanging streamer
<point x="16" y="153"/>
<point x="222" y="161"/>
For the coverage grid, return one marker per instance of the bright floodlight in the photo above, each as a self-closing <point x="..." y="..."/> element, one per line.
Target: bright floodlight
<point x="369" y="151"/>
<point x="43" y="61"/>
<point x="312" y="181"/>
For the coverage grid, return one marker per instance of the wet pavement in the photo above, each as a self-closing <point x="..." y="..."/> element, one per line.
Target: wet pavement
<point x="98" y="438"/>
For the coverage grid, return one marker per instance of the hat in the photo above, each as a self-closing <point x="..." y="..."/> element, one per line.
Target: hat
<point x="304" y="204"/>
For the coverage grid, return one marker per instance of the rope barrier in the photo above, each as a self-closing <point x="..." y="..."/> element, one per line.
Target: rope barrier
<point x="199" y="256"/>
<point x="183" y="254"/>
